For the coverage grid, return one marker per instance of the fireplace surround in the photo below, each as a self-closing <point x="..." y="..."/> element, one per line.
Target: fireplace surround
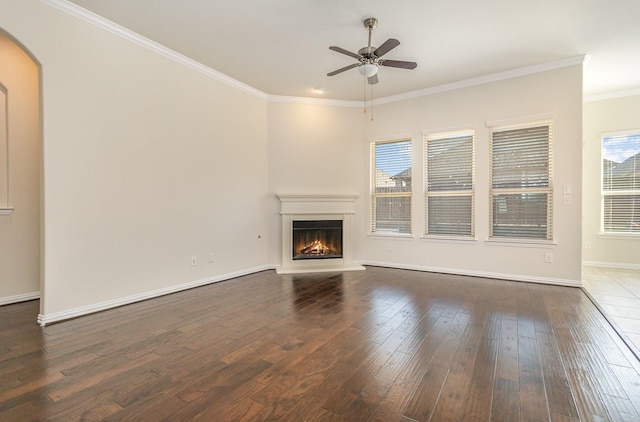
<point x="317" y="233"/>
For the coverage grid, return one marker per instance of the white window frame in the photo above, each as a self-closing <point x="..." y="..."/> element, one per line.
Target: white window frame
<point x="548" y="190"/>
<point x="374" y="195"/>
<point x="612" y="193"/>
<point x="431" y="193"/>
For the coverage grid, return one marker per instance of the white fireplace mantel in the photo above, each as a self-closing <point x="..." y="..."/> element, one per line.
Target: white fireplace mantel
<point x="317" y="207"/>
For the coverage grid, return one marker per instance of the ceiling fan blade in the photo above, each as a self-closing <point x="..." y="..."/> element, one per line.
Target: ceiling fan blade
<point x="343" y="51"/>
<point x="387" y="46"/>
<point x="373" y="79"/>
<point x="399" y="63"/>
<point x="335" y="72"/>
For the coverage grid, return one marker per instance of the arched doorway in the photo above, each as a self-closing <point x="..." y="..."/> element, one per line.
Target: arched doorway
<point x="20" y="173"/>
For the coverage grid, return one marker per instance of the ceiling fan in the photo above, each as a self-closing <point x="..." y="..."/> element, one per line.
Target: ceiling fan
<point x="370" y="58"/>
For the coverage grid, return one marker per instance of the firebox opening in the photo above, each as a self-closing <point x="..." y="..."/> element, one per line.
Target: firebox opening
<point x="317" y="239"/>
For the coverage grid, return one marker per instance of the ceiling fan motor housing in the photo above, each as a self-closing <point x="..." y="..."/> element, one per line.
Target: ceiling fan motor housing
<point x="367" y="52"/>
<point x="370" y="23"/>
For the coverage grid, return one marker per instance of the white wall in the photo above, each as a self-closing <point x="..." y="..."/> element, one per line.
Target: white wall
<point x="557" y="93"/>
<point x="146" y="163"/>
<point x="20" y="230"/>
<point x="308" y="142"/>
<point x="601" y="117"/>
<point x="313" y="149"/>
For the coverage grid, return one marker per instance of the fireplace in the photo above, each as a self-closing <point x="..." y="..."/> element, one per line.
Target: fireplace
<point x="317" y="239"/>
<point x="317" y="233"/>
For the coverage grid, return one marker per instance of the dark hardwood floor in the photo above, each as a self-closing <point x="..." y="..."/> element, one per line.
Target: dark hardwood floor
<point x="374" y="345"/>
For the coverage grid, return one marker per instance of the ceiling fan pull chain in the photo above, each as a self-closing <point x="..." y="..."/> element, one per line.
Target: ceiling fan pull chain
<point x="364" y="93"/>
<point x="371" y="102"/>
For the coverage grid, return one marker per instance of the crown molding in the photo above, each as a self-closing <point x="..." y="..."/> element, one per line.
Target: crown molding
<point x="611" y="95"/>
<point x="316" y="101"/>
<point x="105" y="24"/>
<point x="481" y="80"/>
<point x="100" y="22"/>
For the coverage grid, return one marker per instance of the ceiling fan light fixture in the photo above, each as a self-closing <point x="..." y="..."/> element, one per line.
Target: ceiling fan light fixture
<point x="368" y="69"/>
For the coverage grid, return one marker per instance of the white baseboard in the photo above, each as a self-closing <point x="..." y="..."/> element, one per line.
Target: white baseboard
<point x="319" y="269"/>
<point x="456" y="271"/>
<point x="44" y="319"/>
<point x="19" y="298"/>
<point x="622" y="265"/>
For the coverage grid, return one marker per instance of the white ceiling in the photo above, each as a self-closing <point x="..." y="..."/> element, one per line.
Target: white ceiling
<point x="280" y="47"/>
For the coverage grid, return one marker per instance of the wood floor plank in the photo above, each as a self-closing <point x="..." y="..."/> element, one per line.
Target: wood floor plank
<point x="450" y="405"/>
<point x="232" y="404"/>
<point x="424" y="399"/>
<point x="363" y="407"/>
<point x="356" y="386"/>
<point x="555" y="378"/>
<point x="505" y="406"/>
<point x="393" y="366"/>
<point x="446" y="347"/>
<point x="533" y="403"/>
<point x="399" y="394"/>
<point x="245" y="410"/>
<point x="93" y="408"/>
<point x="311" y="372"/>
<point x="376" y="345"/>
<point x="477" y="405"/>
<point x="587" y="398"/>
<point x="323" y="415"/>
<point x="74" y="384"/>
<point x="507" y="365"/>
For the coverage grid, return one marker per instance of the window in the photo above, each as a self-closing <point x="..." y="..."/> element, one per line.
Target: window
<point x="449" y="184"/>
<point x="521" y="191"/>
<point x="621" y="183"/>
<point x="391" y="187"/>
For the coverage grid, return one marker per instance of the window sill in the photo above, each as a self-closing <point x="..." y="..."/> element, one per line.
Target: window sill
<point x="521" y="243"/>
<point x="391" y="235"/>
<point x="449" y="239"/>
<point x="625" y="236"/>
<point x="6" y="211"/>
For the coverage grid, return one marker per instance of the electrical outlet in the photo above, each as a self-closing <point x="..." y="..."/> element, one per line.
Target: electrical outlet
<point x="587" y="245"/>
<point x="388" y="246"/>
<point x="194" y="261"/>
<point x="210" y="258"/>
<point x="548" y="257"/>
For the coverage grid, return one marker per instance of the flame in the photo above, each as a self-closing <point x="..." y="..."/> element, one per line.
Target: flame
<point x="316" y="248"/>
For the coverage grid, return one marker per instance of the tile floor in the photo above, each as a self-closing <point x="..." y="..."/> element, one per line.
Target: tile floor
<point x="617" y="293"/>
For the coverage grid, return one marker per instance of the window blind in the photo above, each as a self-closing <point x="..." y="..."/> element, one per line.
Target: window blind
<point x="449" y="191"/>
<point x="391" y="186"/>
<point x="621" y="183"/>
<point x="521" y="191"/>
